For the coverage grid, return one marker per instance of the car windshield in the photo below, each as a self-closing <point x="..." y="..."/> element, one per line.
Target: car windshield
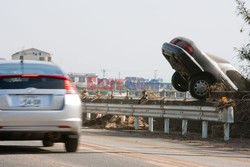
<point x="29" y="69"/>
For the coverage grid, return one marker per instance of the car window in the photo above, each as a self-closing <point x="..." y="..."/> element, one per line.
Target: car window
<point x="29" y="69"/>
<point x="29" y="82"/>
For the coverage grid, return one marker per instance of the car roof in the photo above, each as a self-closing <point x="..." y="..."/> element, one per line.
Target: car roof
<point x="34" y="63"/>
<point x="26" y="62"/>
<point x="185" y="39"/>
<point x="217" y="59"/>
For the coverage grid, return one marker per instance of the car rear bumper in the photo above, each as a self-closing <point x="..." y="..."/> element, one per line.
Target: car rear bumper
<point x="38" y="129"/>
<point x="59" y="126"/>
<point x="12" y="121"/>
<point x="67" y="119"/>
<point x="180" y="60"/>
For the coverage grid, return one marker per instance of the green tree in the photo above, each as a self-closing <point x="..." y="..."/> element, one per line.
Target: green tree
<point x="244" y="50"/>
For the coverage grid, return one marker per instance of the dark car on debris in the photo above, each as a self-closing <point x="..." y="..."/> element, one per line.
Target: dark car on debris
<point x="196" y="71"/>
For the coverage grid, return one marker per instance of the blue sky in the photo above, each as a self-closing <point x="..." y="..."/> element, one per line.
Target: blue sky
<point x="118" y="35"/>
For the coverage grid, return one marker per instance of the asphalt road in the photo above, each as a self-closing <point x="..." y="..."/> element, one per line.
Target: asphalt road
<point x="104" y="148"/>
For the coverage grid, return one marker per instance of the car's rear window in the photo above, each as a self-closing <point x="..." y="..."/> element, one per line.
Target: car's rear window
<point x="6" y="69"/>
<point x="31" y="82"/>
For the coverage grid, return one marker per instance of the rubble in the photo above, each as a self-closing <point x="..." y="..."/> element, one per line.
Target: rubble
<point x="239" y="100"/>
<point x="114" y="121"/>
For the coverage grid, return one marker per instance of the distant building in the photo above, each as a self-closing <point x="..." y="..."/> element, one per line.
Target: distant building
<point x="168" y="86"/>
<point x="139" y="83"/>
<point x="135" y="83"/>
<point x="83" y="80"/>
<point x="32" y="54"/>
<point x="154" y="84"/>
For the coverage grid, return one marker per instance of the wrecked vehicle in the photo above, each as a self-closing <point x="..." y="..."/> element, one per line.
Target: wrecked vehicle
<point x="196" y="71"/>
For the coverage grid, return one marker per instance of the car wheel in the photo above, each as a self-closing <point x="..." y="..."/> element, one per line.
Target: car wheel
<point x="47" y="143"/>
<point x="199" y="87"/>
<point x="179" y="83"/>
<point x="71" y="144"/>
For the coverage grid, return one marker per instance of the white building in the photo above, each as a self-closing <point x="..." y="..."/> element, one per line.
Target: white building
<point x="32" y="54"/>
<point x="81" y="79"/>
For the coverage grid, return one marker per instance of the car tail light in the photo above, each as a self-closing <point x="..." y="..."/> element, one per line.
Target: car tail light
<point x="174" y="41"/>
<point x="69" y="87"/>
<point x="187" y="47"/>
<point x="29" y="75"/>
<point x="184" y="45"/>
<point x="64" y="126"/>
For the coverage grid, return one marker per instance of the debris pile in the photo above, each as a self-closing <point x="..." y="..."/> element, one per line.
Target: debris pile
<point x="241" y="128"/>
<point x="115" y="121"/>
<point x="239" y="100"/>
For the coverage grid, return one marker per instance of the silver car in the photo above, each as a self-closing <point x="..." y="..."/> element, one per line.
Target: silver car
<point x="38" y="101"/>
<point x="196" y="71"/>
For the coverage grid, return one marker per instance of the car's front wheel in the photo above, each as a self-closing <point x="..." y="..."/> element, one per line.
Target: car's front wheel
<point x="179" y="83"/>
<point x="199" y="87"/>
<point x="71" y="144"/>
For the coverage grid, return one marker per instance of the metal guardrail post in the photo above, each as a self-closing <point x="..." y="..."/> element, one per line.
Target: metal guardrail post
<point x="88" y="116"/>
<point x="204" y="129"/>
<point x="151" y="124"/>
<point x="136" y="123"/>
<point x="184" y="127"/>
<point x="228" y="117"/>
<point x="226" y="131"/>
<point x="166" y="125"/>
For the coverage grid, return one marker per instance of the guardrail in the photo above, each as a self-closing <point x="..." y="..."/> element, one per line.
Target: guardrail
<point x="185" y="113"/>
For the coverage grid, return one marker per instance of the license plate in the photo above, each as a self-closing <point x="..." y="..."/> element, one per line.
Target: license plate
<point x="30" y="101"/>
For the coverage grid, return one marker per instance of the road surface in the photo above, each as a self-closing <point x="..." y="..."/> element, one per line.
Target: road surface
<point x="106" y="148"/>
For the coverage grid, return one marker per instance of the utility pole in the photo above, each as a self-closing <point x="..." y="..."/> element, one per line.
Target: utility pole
<point x="103" y="73"/>
<point x="155" y="74"/>
<point x="119" y="82"/>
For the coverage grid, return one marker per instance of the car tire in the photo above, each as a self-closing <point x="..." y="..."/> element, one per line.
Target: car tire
<point x="199" y="87"/>
<point x="47" y="143"/>
<point x="179" y="83"/>
<point x="71" y="144"/>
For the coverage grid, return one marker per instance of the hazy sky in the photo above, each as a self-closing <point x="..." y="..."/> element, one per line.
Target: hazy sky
<point x="118" y="35"/>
